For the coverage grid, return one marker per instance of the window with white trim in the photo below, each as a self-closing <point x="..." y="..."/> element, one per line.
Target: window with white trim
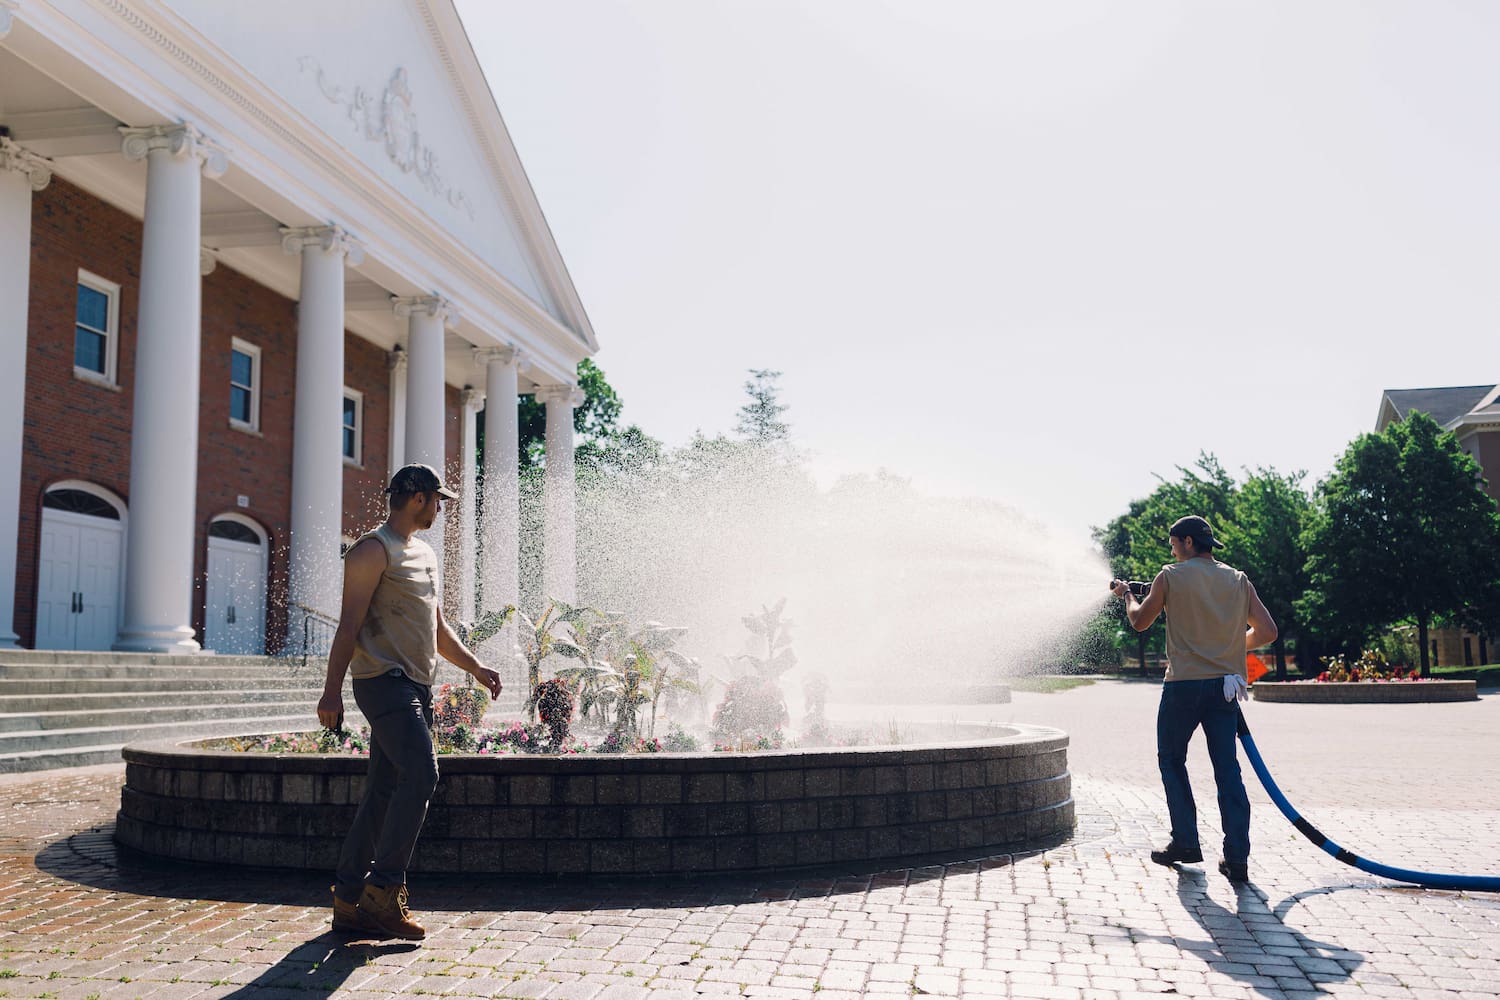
<point x="96" y="326"/>
<point x="244" y="385"/>
<point x="354" y="424"/>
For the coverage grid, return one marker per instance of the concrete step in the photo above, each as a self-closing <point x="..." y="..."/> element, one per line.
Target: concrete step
<point x="93" y="718"/>
<point x="82" y="657"/>
<point x="132" y="699"/>
<point x="282" y="718"/>
<point x="107" y="751"/>
<point x="45" y="671"/>
<point x="85" y="686"/>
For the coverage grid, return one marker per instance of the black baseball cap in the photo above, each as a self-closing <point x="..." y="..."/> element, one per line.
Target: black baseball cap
<point x="1197" y="529"/>
<point x="419" y="478"/>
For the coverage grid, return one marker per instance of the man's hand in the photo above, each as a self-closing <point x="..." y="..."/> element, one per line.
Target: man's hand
<point x="331" y="710"/>
<point x="1120" y="589"/>
<point x="490" y="679"/>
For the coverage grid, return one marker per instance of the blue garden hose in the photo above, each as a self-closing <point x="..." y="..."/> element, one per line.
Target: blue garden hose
<point x="1431" y="880"/>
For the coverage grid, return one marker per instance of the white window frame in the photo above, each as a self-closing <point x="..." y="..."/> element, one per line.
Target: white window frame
<point x="358" y="458"/>
<point x="111" y="290"/>
<point x="253" y="352"/>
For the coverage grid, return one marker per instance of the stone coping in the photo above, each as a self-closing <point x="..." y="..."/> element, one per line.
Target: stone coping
<point x="686" y="813"/>
<point x="1364" y="692"/>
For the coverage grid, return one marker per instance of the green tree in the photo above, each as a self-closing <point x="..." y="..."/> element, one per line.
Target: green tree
<point x="1264" y="533"/>
<point x="1401" y="531"/>
<point x="1136" y="542"/>
<point x="594" y="421"/>
<point x="760" y="418"/>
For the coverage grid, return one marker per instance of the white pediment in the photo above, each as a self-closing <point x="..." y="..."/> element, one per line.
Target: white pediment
<point x="374" y="76"/>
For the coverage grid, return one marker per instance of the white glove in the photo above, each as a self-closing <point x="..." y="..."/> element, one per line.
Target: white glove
<point x="1235" y="687"/>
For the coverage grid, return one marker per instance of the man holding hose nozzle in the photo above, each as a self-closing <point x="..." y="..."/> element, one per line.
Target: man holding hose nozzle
<point x="1208" y="606"/>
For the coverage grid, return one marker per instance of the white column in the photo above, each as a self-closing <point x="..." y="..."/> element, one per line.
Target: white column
<point x="426" y="399"/>
<point x="158" y="597"/>
<point x="468" y="538"/>
<point x="21" y="173"/>
<point x="396" y="363"/>
<point x="500" y="528"/>
<point x="559" y="530"/>
<point x="316" y="575"/>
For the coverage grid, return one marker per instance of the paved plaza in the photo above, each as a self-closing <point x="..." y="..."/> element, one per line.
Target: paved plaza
<point x="1412" y="786"/>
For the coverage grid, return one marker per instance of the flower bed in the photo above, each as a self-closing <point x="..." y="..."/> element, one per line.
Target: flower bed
<point x="1364" y="691"/>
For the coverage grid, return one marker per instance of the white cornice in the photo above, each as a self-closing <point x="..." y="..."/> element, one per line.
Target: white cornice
<point x="8" y="10"/>
<point x="452" y="42"/>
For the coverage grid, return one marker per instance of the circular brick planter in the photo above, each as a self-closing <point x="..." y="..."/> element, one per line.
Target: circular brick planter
<point x="635" y="814"/>
<point x="1364" y="692"/>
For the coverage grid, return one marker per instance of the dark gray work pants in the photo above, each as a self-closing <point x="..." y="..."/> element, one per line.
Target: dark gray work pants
<point x="403" y="773"/>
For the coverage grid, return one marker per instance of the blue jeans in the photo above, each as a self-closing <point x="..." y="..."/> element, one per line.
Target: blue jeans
<point x="1186" y="705"/>
<point x="403" y="773"/>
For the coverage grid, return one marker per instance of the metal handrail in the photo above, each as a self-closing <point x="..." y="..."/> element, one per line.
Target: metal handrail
<point x="311" y="616"/>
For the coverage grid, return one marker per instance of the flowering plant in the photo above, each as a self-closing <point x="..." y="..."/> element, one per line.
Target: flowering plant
<point x="1371" y="666"/>
<point x="454" y="705"/>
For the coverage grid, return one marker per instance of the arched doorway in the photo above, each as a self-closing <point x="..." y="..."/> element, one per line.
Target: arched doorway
<point x="78" y="573"/>
<point x="234" y="617"/>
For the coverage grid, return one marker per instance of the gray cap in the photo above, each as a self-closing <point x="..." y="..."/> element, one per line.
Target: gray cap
<point x="1197" y="529"/>
<point x="419" y="478"/>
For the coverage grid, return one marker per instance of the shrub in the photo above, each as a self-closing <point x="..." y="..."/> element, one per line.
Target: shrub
<point x="554" y="704"/>
<point x="752" y="708"/>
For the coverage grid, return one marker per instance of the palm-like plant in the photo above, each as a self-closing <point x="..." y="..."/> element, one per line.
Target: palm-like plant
<point x="539" y="637"/>
<point x="777" y="634"/>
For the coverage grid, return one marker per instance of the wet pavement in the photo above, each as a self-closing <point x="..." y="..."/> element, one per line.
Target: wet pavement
<point x="1414" y="786"/>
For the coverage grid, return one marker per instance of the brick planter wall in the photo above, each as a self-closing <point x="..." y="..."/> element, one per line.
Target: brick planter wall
<point x="1364" y="692"/>
<point x="638" y="814"/>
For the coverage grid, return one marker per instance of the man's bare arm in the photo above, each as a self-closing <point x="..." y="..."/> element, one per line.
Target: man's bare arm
<point x="363" y="565"/>
<point x="1144" y="612"/>
<point x="455" y="652"/>
<point x="1262" y="630"/>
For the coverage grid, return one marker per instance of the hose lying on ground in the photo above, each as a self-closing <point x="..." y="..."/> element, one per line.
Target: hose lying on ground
<point x="1432" y="880"/>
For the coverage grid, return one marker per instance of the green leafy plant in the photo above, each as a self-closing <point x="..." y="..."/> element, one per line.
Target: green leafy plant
<point x="538" y="638"/>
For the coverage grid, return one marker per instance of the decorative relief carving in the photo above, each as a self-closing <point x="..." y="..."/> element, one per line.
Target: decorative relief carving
<point x="568" y="394"/>
<point x="433" y="305"/>
<point x="179" y="141"/>
<point x="328" y="239"/>
<point x="38" y="169"/>
<point x="472" y="398"/>
<point x="390" y="119"/>
<point x="507" y="355"/>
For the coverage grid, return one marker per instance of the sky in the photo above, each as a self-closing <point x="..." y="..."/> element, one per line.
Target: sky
<point x="1038" y="252"/>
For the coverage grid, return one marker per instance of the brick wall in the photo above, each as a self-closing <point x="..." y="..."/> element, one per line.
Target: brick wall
<point x="79" y="430"/>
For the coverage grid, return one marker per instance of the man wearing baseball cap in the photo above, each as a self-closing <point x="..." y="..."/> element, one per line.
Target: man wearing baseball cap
<point x="1208" y="606"/>
<point x="390" y="635"/>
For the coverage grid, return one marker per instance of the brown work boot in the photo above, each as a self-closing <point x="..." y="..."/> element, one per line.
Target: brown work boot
<point x="348" y="918"/>
<point x="386" y="906"/>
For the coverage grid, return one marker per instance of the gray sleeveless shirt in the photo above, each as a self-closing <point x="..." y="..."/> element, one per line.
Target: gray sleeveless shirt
<point x="400" y="629"/>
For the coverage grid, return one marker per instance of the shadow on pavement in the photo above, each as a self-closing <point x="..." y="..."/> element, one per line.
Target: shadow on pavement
<point x="1247" y="936"/>
<point x="322" y="964"/>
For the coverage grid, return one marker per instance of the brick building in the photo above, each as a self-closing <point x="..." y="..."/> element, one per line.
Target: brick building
<point x="252" y="258"/>
<point x="1472" y="413"/>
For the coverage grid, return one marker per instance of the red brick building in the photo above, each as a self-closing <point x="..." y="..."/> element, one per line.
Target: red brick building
<point x="235" y="293"/>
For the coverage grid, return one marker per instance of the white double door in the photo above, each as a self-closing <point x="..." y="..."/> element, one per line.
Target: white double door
<point x="234" y="619"/>
<point x="78" y="583"/>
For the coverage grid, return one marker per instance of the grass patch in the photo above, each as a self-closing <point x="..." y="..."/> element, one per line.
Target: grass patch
<point x="1046" y="683"/>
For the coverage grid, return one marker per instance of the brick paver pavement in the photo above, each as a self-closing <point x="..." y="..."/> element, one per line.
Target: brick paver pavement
<point x="1409" y="785"/>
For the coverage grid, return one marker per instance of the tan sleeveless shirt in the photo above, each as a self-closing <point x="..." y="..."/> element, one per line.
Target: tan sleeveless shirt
<point x="400" y="629"/>
<point x="1208" y="607"/>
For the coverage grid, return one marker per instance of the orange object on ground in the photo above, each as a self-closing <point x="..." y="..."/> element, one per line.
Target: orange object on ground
<point x="1255" y="669"/>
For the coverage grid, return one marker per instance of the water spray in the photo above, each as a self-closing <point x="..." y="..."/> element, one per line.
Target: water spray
<point x="1429" y="880"/>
